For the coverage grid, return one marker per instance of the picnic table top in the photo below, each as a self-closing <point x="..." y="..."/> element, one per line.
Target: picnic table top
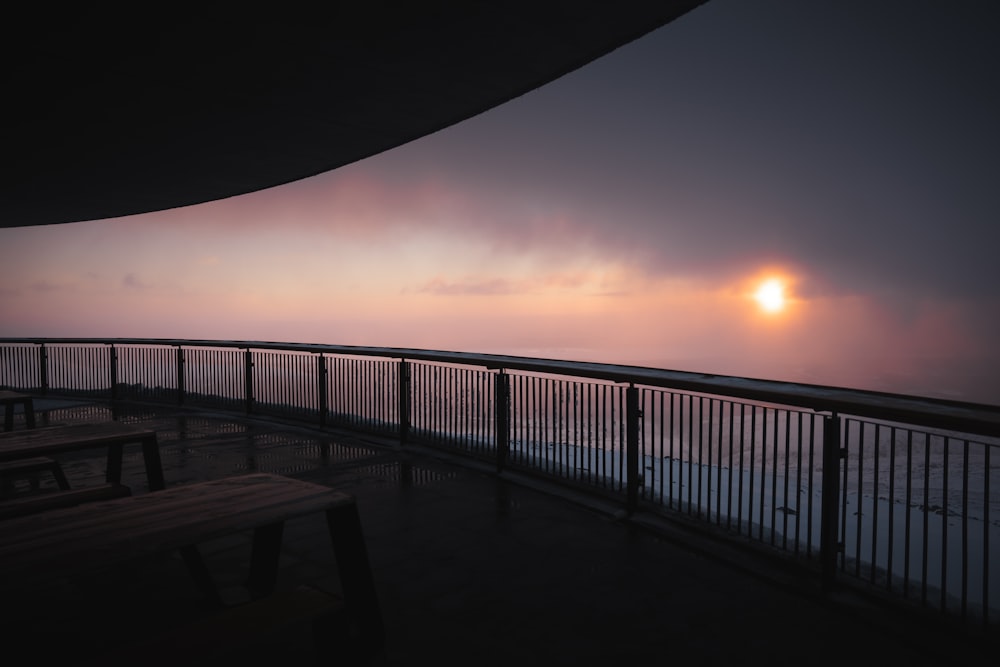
<point x="73" y="435"/>
<point x="8" y="395"/>
<point x="74" y="540"/>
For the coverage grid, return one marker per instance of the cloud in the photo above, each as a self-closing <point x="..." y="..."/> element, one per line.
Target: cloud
<point x="46" y="286"/>
<point x="712" y="224"/>
<point x="681" y="159"/>
<point x="534" y="281"/>
<point x="441" y="287"/>
<point x="131" y="281"/>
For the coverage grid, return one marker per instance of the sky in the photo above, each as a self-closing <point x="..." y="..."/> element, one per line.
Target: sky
<point x="628" y="212"/>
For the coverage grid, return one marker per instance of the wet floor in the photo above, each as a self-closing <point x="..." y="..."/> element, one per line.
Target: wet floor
<point x="471" y="567"/>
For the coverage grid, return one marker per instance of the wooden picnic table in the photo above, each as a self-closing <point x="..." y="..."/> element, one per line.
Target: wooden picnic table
<point x="72" y="542"/>
<point x="51" y="440"/>
<point x="9" y="399"/>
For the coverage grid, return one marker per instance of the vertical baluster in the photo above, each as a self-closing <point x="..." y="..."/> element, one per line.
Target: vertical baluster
<point x="876" y="476"/>
<point x="718" y="459"/>
<point x="632" y="447"/>
<point x="908" y="503"/>
<point x="690" y="454"/>
<point x="750" y="472"/>
<point x="370" y="391"/>
<point x="672" y="442"/>
<point x="944" y="522"/>
<point x="591" y="450"/>
<point x="798" y="481"/>
<point x="732" y="467"/>
<point x="741" y="469"/>
<point x="860" y="482"/>
<point x="925" y="544"/>
<point x="786" y="502"/>
<point x="541" y="425"/>
<point x="892" y="506"/>
<point x="763" y="474"/>
<point x="405" y="401"/>
<point x="829" y="524"/>
<point x="965" y="530"/>
<point x="987" y="467"/>
<point x="705" y="456"/>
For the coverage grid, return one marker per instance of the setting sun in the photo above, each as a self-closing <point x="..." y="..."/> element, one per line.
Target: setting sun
<point x="771" y="295"/>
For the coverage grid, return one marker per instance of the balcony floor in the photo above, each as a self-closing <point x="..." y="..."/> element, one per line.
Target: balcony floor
<point x="478" y="569"/>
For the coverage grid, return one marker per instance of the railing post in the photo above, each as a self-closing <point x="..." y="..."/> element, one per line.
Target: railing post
<point x="829" y="545"/>
<point x="404" y="401"/>
<point x="632" y="416"/>
<point x="324" y="409"/>
<point x="43" y="369"/>
<point x="113" y="371"/>
<point x="181" y="390"/>
<point x="502" y="417"/>
<point x="248" y="379"/>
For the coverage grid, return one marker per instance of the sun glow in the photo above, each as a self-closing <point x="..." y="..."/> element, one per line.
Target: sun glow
<point x="770" y="295"/>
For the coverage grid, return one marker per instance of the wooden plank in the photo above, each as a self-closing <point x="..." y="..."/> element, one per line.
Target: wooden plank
<point x="54" y="439"/>
<point x="32" y="504"/>
<point x="8" y="394"/>
<point x="237" y="500"/>
<point x="11" y="398"/>
<point x="22" y="467"/>
<point x="114" y="436"/>
<point x="71" y="541"/>
<point x="185" y="505"/>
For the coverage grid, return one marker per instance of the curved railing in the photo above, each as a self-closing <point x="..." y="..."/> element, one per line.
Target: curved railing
<point x="906" y="500"/>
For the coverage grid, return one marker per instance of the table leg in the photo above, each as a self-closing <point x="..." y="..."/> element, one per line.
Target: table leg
<point x="355" y="573"/>
<point x="201" y="575"/>
<point x="27" y="405"/>
<point x="60" y="476"/>
<point x="264" y="559"/>
<point x="154" y="467"/>
<point x="29" y="412"/>
<point x="114" y="474"/>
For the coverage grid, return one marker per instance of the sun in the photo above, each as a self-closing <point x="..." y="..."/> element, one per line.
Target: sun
<point x="770" y="295"/>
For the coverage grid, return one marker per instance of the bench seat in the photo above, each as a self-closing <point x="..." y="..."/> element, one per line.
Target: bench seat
<point x="59" y="544"/>
<point x="25" y="467"/>
<point x="26" y="505"/>
<point x="11" y="398"/>
<point x="50" y="441"/>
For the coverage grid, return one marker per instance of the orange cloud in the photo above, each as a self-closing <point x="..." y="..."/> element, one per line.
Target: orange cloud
<point x="468" y="287"/>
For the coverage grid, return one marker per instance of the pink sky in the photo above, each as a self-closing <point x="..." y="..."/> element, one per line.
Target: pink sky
<point x="368" y="275"/>
<point x="509" y="234"/>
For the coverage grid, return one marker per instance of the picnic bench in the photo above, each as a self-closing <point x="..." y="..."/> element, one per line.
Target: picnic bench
<point x="10" y="399"/>
<point x="73" y="542"/>
<point x="23" y="467"/>
<point x="22" y="451"/>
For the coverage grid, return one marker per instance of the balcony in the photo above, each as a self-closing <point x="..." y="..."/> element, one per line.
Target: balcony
<point x="633" y="513"/>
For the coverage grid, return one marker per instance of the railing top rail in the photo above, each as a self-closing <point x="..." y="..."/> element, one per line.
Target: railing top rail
<point x="965" y="417"/>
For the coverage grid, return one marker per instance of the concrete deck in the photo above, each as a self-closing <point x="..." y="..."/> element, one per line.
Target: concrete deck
<point x="474" y="568"/>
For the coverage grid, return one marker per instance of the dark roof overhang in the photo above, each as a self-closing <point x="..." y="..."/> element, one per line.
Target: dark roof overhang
<point x="117" y="114"/>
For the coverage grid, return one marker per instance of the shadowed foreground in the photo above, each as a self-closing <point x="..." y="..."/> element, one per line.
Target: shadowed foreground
<point x="471" y="568"/>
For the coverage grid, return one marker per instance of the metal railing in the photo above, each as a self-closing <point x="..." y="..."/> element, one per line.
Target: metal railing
<point x="905" y="500"/>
